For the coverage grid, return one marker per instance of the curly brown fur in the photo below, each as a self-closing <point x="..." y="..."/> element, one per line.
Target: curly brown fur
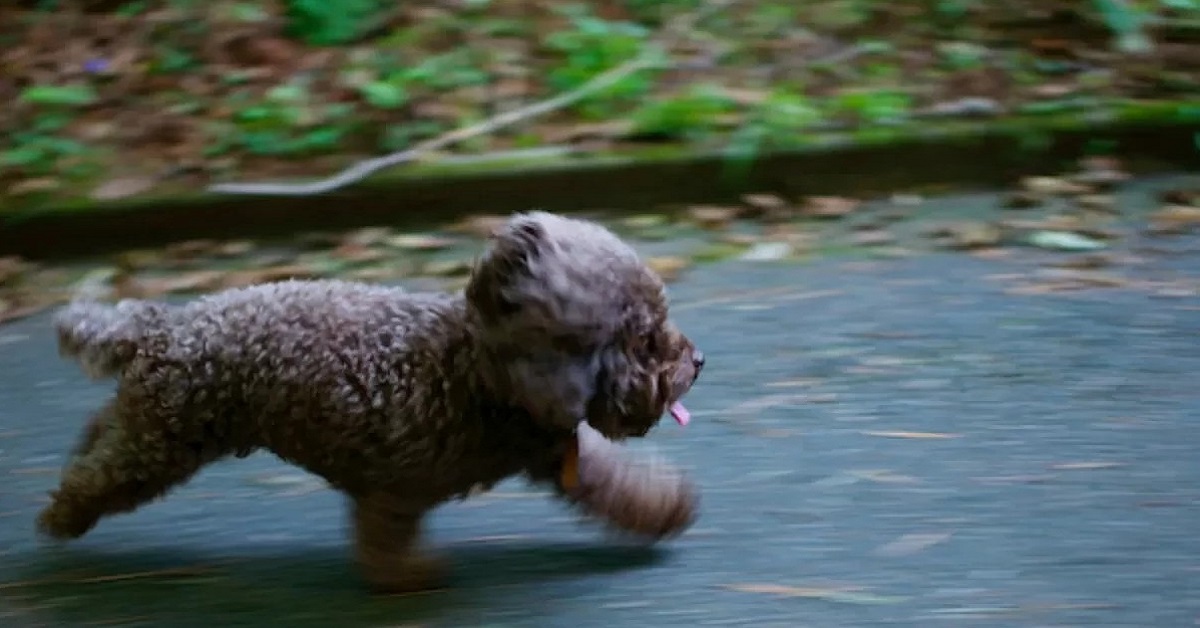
<point x="400" y="400"/>
<point x="647" y="498"/>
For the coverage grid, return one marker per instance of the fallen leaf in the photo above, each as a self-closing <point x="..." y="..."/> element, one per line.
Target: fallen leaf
<point x="1053" y="186"/>
<point x="419" y="242"/>
<point x="766" y="207"/>
<point x="279" y="479"/>
<point x="967" y="236"/>
<point x="1175" y="219"/>
<point x="712" y="216"/>
<point x="355" y="253"/>
<point x="1097" y="202"/>
<point x="1181" y="196"/>
<point x="1102" y="173"/>
<point x="765" y="202"/>
<point x="243" y="278"/>
<point x="851" y="595"/>
<point x="374" y="274"/>
<point x="990" y="253"/>
<point x="122" y="188"/>
<point x="199" y="281"/>
<point x="446" y="268"/>
<point x="765" y="402"/>
<point x="1085" y="262"/>
<point x="11" y="310"/>
<point x="909" y="544"/>
<point x="907" y="200"/>
<point x="645" y="221"/>
<point x="1023" y="199"/>
<point x="829" y="206"/>
<point x="480" y="226"/>
<point x="12" y="269"/>
<point x="1086" y="466"/>
<point x="803" y="382"/>
<point x="915" y="435"/>
<point x="368" y="236"/>
<point x="885" y="477"/>
<point x="744" y="240"/>
<point x="669" y="268"/>
<point x="234" y="248"/>
<point x="33" y="186"/>
<point x="766" y="252"/>
<point x="190" y="249"/>
<point x="872" y="237"/>
<point x="1085" y="277"/>
<point x="1054" y="90"/>
<point x="1064" y="241"/>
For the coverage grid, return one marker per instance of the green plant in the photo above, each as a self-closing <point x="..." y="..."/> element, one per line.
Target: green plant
<point x="875" y="106"/>
<point x="658" y="11"/>
<point x="780" y="121"/>
<point x="385" y="82"/>
<point x="401" y="136"/>
<point x="326" y="23"/>
<point x="952" y="13"/>
<point x="1127" y="22"/>
<point x="450" y="70"/>
<point x="960" y="55"/>
<point x="38" y="148"/>
<point x="286" y="121"/>
<point x="687" y="115"/>
<point x="591" y="46"/>
<point x="171" y="60"/>
<point x="769" y="19"/>
<point x="60" y="95"/>
<point x="130" y="9"/>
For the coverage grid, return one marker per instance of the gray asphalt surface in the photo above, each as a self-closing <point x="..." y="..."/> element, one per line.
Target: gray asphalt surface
<point x="891" y="443"/>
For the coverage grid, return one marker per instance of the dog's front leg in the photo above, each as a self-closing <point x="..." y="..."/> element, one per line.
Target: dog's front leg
<point x="387" y="545"/>
<point x="644" y="497"/>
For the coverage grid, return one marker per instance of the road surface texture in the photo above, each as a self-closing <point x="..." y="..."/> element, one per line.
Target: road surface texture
<point x="905" y="442"/>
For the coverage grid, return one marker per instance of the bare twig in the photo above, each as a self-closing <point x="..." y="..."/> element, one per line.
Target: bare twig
<point x="363" y="169"/>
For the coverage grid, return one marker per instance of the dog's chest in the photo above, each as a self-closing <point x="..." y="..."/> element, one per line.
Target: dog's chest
<point x="492" y="457"/>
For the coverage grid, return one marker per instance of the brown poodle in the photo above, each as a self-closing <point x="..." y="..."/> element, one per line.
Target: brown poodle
<point x="400" y="400"/>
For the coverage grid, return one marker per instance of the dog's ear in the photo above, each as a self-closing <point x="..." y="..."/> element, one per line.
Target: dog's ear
<point x="504" y="265"/>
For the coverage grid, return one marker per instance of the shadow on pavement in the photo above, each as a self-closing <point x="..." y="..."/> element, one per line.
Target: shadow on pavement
<point x="163" y="586"/>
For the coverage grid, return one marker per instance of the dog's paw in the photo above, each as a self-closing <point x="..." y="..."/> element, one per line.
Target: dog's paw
<point x="58" y="525"/>
<point x="410" y="574"/>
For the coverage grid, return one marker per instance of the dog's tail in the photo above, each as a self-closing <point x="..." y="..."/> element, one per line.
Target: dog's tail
<point x="102" y="337"/>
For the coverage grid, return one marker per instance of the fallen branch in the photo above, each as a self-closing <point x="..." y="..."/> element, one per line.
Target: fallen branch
<point x="647" y="59"/>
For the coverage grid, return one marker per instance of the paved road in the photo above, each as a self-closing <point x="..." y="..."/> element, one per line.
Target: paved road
<point x="1065" y="491"/>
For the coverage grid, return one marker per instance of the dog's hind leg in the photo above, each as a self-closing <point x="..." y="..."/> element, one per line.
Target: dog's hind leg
<point x="387" y="539"/>
<point x="97" y="425"/>
<point x="117" y="471"/>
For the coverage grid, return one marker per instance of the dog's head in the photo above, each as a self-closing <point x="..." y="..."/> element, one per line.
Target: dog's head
<point x="573" y="325"/>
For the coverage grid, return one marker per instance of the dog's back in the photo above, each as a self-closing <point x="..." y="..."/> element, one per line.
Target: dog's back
<point x="282" y="321"/>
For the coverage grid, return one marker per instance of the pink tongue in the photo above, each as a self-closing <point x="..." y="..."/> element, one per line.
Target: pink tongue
<point x="680" y="413"/>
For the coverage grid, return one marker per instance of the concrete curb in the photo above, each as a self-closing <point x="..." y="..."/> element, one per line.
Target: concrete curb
<point x="950" y="155"/>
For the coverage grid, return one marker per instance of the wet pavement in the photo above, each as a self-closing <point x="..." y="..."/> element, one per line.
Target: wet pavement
<point x="879" y="443"/>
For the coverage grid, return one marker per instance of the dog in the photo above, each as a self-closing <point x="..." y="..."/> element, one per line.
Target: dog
<point x="400" y="400"/>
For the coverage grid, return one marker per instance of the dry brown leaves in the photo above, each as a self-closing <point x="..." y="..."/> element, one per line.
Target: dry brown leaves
<point x="829" y="207"/>
<point x="834" y="593"/>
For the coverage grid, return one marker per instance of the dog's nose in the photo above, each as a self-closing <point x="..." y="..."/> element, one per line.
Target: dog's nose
<point x="698" y="359"/>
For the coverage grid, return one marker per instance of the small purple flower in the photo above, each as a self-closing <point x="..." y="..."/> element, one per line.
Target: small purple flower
<point x="95" y="66"/>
